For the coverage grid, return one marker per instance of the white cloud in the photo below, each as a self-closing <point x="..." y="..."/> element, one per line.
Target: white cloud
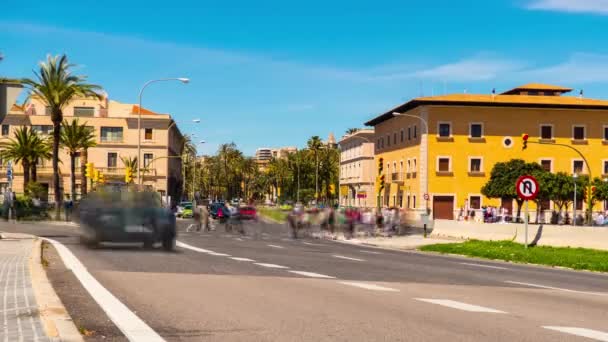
<point x="580" y="68"/>
<point x="477" y="68"/>
<point x="573" y="6"/>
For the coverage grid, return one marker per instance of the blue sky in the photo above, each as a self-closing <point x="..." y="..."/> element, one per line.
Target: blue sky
<point x="273" y="73"/>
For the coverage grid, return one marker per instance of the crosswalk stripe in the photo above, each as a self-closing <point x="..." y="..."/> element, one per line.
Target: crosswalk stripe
<point x="459" y="305"/>
<point x="589" y="333"/>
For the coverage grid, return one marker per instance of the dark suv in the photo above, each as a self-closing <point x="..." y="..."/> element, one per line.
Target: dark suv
<point x="126" y="215"/>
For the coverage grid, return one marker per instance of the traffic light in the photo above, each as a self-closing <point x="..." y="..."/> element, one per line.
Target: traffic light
<point x="524" y="138"/>
<point x="380" y="165"/>
<point x="89" y="172"/>
<point x="382" y="182"/>
<point x="332" y="189"/>
<point x="128" y="175"/>
<point x="96" y="174"/>
<point x="101" y="178"/>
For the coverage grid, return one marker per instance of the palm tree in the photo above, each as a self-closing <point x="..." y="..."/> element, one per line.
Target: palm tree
<point x="41" y="151"/>
<point x="74" y="138"/>
<point x="352" y="131"/>
<point x="130" y="162"/>
<point x="27" y="147"/>
<point x="315" y="145"/>
<point x="56" y="85"/>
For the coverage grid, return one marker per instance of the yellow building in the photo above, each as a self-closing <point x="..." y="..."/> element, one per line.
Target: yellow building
<point x="468" y="134"/>
<point x="115" y="128"/>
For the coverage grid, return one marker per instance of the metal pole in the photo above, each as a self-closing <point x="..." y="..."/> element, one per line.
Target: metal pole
<point x="298" y="193"/>
<point x="574" y="205"/>
<point x="193" y="175"/>
<point x="526" y="224"/>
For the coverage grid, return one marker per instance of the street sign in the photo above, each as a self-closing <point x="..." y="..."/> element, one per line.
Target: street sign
<point x="9" y="171"/>
<point x="527" y="187"/>
<point x="426" y="197"/>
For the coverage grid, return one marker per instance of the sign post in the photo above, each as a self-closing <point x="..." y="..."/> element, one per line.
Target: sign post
<point x="527" y="189"/>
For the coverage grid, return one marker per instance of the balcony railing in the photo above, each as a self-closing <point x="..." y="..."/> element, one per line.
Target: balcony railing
<point x="397" y="177"/>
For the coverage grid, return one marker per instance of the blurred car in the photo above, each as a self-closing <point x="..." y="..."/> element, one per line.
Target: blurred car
<point x="218" y="210"/>
<point x="248" y="213"/>
<point x="181" y="206"/>
<point x="125" y="215"/>
<point x="187" y="211"/>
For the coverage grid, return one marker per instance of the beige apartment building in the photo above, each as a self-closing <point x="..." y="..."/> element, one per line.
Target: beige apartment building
<point x="115" y="128"/>
<point x="357" y="176"/>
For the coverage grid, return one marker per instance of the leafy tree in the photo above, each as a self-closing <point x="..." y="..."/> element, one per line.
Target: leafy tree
<point x="503" y="177"/>
<point x="314" y="146"/>
<point x="56" y="85"/>
<point x="76" y="138"/>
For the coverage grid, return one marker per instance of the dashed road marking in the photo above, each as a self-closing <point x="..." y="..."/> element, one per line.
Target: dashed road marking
<point x="247" y="237"/>
<point x="269" y="265"/>
<point x="367" y="286"/>
<point x="275" y="246"/>
<point x="242" y="259"/>
<point x="311" y="244"/>
<point x="557" y="288"/>
<point x="238" y="239"/>
<point x="219" y="254"/>
<point x="592" y="334"/>
<point x="312" y="275"/>
<point x="459" y="305"/>
<point x="286" y="239"/>
<point x="346" y="258"/>
<point x="369" y="252"/>
<point x="196" y="249"/>
<point x="132" y="326"/>
<point x="485" y="266"/>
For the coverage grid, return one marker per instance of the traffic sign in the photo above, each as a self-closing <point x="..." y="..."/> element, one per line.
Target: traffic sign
<point x="426" y="197"/>
<point x="9" y="171"/>
<point x="527" y="187"/>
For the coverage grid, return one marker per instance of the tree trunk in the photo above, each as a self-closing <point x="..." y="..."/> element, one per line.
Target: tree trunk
<point x="316" y="178"/>
<point x="84" y="159"/>
<point x="34" y="171"/>
<point x="73" y="175"/>
<point x="56" y="184"/>
<point x="26" y="174"/>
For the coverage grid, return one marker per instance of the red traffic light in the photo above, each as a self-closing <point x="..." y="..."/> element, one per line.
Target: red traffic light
<point x="525" y="136"/>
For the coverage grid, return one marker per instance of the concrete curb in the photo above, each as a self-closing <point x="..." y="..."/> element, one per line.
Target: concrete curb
<point x="57" y="323"/>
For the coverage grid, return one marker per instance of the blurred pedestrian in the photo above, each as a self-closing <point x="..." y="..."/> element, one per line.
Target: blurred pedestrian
<point x="67" y="207"/>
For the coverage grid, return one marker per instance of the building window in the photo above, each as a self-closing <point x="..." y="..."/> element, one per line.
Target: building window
<point x="578" y="132"/>
<point x="148" y="157"/>
<point x="475" y="165"/>
<point x="408" y="201"/>
<point x="409" y="133"/>
<point x="409" y="166"/>
<point x="606" y="133"/>
<point x="475" y="202"/>
<point x="546" y="132"/>
<point x="113" y="134"/>
<point x="606" y="167"/>
<point x="382" y="142"/>
<point x="546" y="164"/>
<point x="443" y="164"/>
<point x="444" y="130"/>
<point x="401" y="166"/>
<point x="5" y="130"/>
<point x="577" y="166"/>
<point x="415" y="132"/>
<point x="388" y="140"/>
<point x="414" y="165"/>
<point x="395" y="138"/>
<point x="402" y="135"/>
<point x="476" y="130"/>
<point x="112" y="159"/>
<point x="84" y="111"/>
<point x="44" y="129"/>
<point x="148" y="134"/>
<point x="414" y="201"/>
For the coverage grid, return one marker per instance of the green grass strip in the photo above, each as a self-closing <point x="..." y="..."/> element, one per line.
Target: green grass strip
<point x="576" y="258"/>
<point x="275" y="214"/>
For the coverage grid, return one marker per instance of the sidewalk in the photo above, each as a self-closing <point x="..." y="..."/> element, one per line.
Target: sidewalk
<point x="21" y="321"/>
<point x="402" y="242"/>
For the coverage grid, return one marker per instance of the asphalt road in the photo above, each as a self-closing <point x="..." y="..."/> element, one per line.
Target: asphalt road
<point x="226" y="287"/>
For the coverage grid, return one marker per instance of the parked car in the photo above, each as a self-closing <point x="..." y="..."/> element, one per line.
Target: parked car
<point x="123" y="215"/>
<point x="181" y="206"/>
<point x="218" y="210"/>
<point x="248" y="213"/>
<point x="187" y="211"/>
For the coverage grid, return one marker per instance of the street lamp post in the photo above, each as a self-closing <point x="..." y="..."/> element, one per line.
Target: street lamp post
<point x="141" y="92"/>
<point x="194" y="170"/>
<point x="575" y="176"/>
<point x="426" y="167"/>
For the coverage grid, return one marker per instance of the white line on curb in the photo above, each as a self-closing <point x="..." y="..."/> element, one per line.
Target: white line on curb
<point x="275" y="246"/>
<point x="312" y="275"/>
<point x="459" y="305"/>
<point x="132" y="326"/>
<point x="196" y="249"/>
<point x="346" y="258"/>
<point x="269" y="265"/>
<point x="593" y="334"/>
<point x="557" y="288"/>
<point x="242" y="259"/>
<point x="482" y="265"/>
<point x="367" y="286"/>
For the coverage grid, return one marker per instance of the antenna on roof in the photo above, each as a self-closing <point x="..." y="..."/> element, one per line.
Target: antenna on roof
<point x="493" y="93"/>
<point x="580" y="94"/>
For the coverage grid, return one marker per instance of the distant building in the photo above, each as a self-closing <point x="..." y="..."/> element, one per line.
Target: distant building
<point x="357" y="176"/>
<point x="331" y="141"/>
<point x="263" y="155"/>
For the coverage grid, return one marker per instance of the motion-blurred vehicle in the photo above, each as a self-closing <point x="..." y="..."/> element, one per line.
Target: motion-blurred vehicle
<point x="219" y="211"/>
<point x="181" y="206"/>
<point x="187" y="211"/>
<point x="235" y="202"/>
<point x="120" y="214"/>
<point x="248" y="213"/>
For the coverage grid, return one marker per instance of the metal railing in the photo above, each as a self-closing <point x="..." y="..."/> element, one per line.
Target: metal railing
<point x="397" y="177"/>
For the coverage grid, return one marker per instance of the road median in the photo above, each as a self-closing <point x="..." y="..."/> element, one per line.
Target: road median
<point x="574" y="258"/>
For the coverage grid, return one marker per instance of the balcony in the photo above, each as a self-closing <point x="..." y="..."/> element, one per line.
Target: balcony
<point x="397" y="177"/>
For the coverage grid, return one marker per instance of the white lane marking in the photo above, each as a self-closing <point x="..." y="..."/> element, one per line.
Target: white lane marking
<point x="557" y="288"/>
<point x="238" y="239"/>
<point x="219" y="254"/>
<point x="366" y="286"/>
<point x="242" y="259"/>
<point x="592" y="334"/>
<point x="132" y="326"/>
<point x="286" y="239"/>
<point x="247" y="237"/>
<point x="312" y="275"/>
<point x="459" y="305"/>
<point x="311" y="244"/>
<point x="346" y="258"/>
<point x="196" y="249"/>
<point x="369" y="252"/>
<point x="275" y="246"/>
<point x="482" y="265"/>
<point x="269" y="265"/>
